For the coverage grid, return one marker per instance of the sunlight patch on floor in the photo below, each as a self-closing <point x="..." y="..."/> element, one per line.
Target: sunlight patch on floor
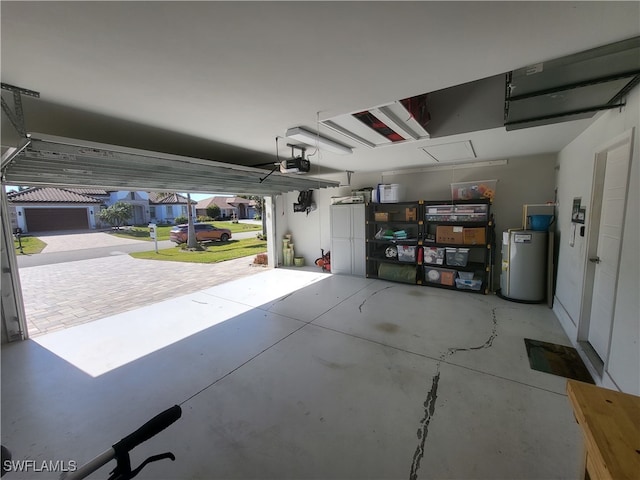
<point x="111" y="342"/>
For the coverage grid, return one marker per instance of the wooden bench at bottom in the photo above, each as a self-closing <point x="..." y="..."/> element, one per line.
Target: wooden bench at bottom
<point x="610" y="422"/>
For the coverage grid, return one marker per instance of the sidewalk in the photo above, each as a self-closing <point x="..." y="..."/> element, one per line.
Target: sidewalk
<point x="62" y="295"/>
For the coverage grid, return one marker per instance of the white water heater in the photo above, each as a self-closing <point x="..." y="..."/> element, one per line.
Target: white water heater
<point x="524" y="265"/>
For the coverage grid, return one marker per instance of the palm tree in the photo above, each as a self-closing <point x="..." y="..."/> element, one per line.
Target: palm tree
<point x="192" y="242"/>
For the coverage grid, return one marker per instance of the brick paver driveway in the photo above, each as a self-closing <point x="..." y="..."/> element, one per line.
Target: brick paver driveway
<point x="66" y="294"/>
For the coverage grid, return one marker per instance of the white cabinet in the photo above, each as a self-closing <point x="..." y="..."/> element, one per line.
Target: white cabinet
<point x="348" y="254"/>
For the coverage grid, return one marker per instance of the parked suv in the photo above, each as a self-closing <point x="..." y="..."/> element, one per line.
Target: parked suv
<point x="204" y="232"/>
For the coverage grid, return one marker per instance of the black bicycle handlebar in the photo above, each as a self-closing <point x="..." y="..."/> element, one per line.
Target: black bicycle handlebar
<point x="148" y="430"/>
<point x="120" y="451"/>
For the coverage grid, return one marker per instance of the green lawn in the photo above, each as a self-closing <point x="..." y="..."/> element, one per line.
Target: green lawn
<point x="142" y="233"/>
<point x="237" y="227"/>
<point x="215" y="252"/>
<point x="30" y="245"/>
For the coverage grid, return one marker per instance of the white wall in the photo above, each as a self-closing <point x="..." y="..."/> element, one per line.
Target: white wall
<point x="311" y="232"/>
<point x="575" y="177"/>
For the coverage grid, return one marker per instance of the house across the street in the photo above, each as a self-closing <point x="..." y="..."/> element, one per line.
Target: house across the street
<point x="41" y="209"/>
<point x="230" y="207"/>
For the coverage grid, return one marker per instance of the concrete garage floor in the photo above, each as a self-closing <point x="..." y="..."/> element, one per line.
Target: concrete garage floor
<point x="298" y="374"/>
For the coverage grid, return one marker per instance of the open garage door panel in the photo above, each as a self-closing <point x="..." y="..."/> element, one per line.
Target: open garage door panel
<point x="57" y="161"/>
<point x="42" y="160"/>
<point x="45" y="219"/>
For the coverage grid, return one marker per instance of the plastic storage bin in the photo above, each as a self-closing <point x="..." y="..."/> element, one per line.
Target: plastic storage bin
<point x="407" y="253"/>
<point x="474" y="190"/>
<point x="434" y="255"/>
<point x="457" y="213"/>
<point x="465" y="275"/>
<point x="388" y="193"/>
<point x="468" y="284"/>
<point x="442" y="276"/>
<point x="457" y="257"/>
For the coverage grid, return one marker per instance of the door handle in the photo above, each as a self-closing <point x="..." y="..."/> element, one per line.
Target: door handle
<point x="595" y="260"/>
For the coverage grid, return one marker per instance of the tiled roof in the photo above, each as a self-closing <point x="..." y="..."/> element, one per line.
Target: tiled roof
<point x="50" y="195"/>
<point x="221" y="202"/>
<point x="235" y="201"/>
<point x="88" y="191"/>
<point x="171" y="199"/>
<point x="204" y="203"/>
<point x="224" y="202"/>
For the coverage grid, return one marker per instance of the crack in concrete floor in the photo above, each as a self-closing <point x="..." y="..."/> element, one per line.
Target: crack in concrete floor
<point x="432" y="395"/>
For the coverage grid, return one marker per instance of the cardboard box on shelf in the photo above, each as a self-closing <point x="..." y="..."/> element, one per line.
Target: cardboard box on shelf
<point x="448" y="278"/>
<point x="474" y="236"/>
<point x="450" y="234"/>
<point x="381" y="216"/>
<point x="410" y="214"/>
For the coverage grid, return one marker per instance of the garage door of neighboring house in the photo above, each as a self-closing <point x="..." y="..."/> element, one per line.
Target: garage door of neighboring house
<point x="46" y="219"/>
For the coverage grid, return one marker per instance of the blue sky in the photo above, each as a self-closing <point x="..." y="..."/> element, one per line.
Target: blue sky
<point x="194" y="196"/>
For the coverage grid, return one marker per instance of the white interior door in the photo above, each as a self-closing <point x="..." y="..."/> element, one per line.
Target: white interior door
<point x="614" y="193"/>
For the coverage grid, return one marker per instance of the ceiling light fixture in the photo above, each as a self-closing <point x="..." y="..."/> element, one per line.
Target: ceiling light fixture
<point x="315" y="139"/>
<point x="392" y="121"/>
<point x="334" y="126"/>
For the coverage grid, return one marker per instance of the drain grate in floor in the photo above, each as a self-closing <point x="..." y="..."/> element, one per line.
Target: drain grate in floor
<point x="557" y="359"/>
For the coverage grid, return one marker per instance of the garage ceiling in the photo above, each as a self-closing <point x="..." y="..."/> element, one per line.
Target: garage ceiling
<point x="221" y="80"/>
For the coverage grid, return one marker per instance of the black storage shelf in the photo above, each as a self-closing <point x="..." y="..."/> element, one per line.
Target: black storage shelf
<point x="453" y="287"/>
<point x="469" y="267"/>
<point x="466" y="223"/>
<point x="481" y="256"/>
<point x="389" y="260"/>
<point x="453" y="245"/>
<point x="394" y="222"/>
<point x="409" y="241"/>
<point x="396" y="204"/>
<point x="436" y="203"/>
